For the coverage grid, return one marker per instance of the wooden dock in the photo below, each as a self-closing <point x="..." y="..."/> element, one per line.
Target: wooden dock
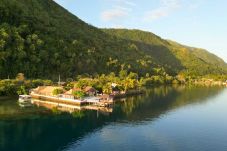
<point x="69" y="107"/>
<point x="59" y="100"/>
<point x="75" y="102"/>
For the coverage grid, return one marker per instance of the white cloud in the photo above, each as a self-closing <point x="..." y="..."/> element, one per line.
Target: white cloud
<point x="130" y="3"/>
<point x="155" y="14"/>
<point x="128" y="9"/>
<point x="195" y="5"/>
<point x="120" y="9"/>
<point x="171" y="3"/>
<point x="124" y="2"/>
<point x="113" y="14"/>
<point x="166" y="8"/>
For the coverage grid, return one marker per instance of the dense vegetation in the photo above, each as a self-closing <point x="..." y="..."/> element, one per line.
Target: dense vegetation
<point x="173" y="56"/>
<point x="19" y="85"/>
<point x="122" y="82"/>
<point x="41" y="39"/>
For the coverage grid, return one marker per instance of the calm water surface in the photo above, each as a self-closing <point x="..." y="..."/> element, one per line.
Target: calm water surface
<point x="164" y="119"/>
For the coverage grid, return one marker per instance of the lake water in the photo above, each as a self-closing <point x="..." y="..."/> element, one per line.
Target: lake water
<point x="163" y="119"/>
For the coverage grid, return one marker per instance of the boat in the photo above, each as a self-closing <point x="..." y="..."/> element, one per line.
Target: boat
<point x="24" y="99"/>
<point x="25" y="104"/>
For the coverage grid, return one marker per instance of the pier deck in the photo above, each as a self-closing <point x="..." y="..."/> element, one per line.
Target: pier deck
<point x="68" y="107"/>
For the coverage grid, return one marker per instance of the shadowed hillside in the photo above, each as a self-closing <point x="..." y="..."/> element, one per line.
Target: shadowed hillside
<point x="177" y="57"/>
<point x="42" y="39"/>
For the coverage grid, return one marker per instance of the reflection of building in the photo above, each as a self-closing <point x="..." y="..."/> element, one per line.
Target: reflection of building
<point x="225" y="83"/>
<point x="105" y="97"/>
<point x="70" y="108"/>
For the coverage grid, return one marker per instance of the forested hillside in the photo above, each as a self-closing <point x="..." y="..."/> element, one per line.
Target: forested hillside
<point x="189" y="60"/>
<point x="41" y="39"/>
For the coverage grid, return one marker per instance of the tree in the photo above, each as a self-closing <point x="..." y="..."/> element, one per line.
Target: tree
<point x="107" y="89"/>
<point x="78" y="94"/>
<point x="129" y="84"/>
<point x="123" y="74"/>
<point x="21" y="90"/>
<point x="57" y="91"/>
<point x="133" y="75"/>
<point x="20" y="77"/>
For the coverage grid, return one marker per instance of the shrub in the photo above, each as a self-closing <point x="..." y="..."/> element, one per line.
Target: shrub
<point x="21" y="90"/>
<point x="79" y="94"/>
<point x="57" y="91"/>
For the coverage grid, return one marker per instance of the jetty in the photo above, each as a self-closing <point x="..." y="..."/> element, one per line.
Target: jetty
<point x="45" y="93"/>
<point x="70" y="108"/>
<point x="68" y="101"/>
<point x="58" y="99"/>
<point x="95" y="101"/>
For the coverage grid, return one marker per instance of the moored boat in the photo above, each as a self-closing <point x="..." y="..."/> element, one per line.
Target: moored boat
<point x="24" y="99"/>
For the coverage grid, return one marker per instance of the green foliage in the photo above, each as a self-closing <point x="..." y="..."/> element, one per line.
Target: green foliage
<point x="83" y="82"/>
<point x="57" y="91"/>
<point x="15" y="87"/>
<point x="21" y="90"/>
<point x="133" y="75"/>
<point x="69" y="86"/>
<point x="78" y="114"/>
<point x="40" y="82"/>
<point x="8" y="88"/>
<point x="79" y="94"/>
<point x="172" y="57"/>
<point x="56" y="111"/>
<point x="107" y="89"/>
<point x="157" y="80"/>
<point x="123" y="74"/>
<point x="41" y="40"/>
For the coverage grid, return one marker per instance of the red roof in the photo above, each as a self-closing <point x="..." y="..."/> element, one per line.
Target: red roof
<point x="72" y="90"/>
<point x="89" y="89"/>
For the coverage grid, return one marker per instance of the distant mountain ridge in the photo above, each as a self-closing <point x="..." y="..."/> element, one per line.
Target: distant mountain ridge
<point x="192" y="60"/>
<point x="42" y="39"/>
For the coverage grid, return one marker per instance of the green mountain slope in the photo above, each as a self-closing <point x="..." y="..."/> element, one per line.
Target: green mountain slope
<point x="42" y="39"/>
<point x="193" y="61"/>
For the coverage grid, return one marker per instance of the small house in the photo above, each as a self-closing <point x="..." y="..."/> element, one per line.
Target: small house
<point x="69" y="94"/>
<point x="90" y="91"/>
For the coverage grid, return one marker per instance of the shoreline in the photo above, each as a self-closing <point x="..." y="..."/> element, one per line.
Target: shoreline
<point x="8" y="97"/>
<point x="138" y="92"/>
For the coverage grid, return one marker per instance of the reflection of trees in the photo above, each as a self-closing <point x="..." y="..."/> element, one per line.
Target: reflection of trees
<point x="197" y="94"/>
<point x="49" y="132"/>
<point x="132" y="103"/>
<point x="52" y="132"/>
<point x="11" y="110"/>
<point x="159" y="100"/>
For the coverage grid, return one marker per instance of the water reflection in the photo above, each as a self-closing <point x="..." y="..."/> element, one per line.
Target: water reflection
<point x="159" y="100"/>
<point x="71" y="108"/>
<point x="41" y="129"/>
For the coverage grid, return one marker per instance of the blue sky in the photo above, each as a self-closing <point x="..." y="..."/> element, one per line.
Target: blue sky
<point x="198" y="23"/>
